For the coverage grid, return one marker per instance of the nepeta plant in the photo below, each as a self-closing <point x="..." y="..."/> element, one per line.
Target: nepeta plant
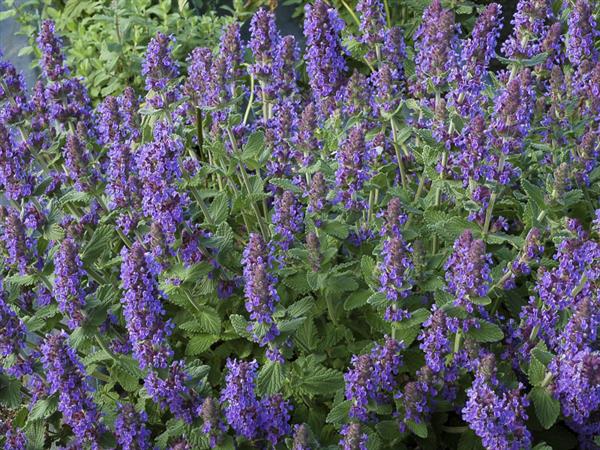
<point x="383" y="240"/>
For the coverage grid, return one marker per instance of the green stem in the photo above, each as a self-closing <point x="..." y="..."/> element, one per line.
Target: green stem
<point x="250" y="100"/>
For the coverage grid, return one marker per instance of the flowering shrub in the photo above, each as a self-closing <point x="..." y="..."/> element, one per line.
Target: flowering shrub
<point x="366" y="244"/>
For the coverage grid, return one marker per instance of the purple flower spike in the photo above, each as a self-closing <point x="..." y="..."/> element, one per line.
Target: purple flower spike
<point x="495" y="414"/>
<point x="15" y="180"/>
<point x="353" y="168"/>
<point x="130" y="428"/>
<point x="353" y="438"/>
<point x="66" y="376"/>
<point x="68" y="286"/>
<point x="436" y="43"/>
<point x="157" y="163"/>
<point x="159" y="67"/>
<point x="143" y="308"/>
<point x="468" y="269"/>
<point x="261" y="295"/>
<point x="50" y="44"/>
<point x="529" y="29"/>
<point x="582" y="34"/>
<point x="173" y="393"/>
<point x="288" y="219"/>
<point x="325" y="53"/>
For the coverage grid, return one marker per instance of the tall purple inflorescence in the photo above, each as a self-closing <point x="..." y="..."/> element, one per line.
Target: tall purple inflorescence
<point x="495" y="414"/>
<point x="212" y="424"/>
<point x="512" y="115"/>
<point x="77" y="161"/>
<point x="143" y="308"/>
<point x="12" y="338"/>
<point x="287" y="218"/>
<point x="15" y="180"/>
<point x="372" y="26"/>
<point x="353" y="437"/>
<point x="67" y="377"/>
<point x="248" y="416"/>
<point x="530" y="27"/>
<point x="582" y="34"/>
<point x="264" y="42"/>
<point x="173" y="392"/>
<point x="468" y="269"/>
<point x="325" y="53"/>
<point x="158" y="167"/>
<point x="261" y="295"/>
<point x="373" y="377"/>
<point x="68" y="286"/>
<point x="50" y="45"/>
<point x="353" y="170"/>
<point x="396" y="266"/>
<point x="436" y="43"/>
<point x="130" y="428"/>
<point x="159" y="67"/>
<point x="477" y="51"/>
<point x="435" y="342"/>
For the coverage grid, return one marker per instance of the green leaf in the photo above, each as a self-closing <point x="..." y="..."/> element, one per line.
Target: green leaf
<point x="416" y="318"/>
<point x="547" y="408"/>
<point x="100" y="242"/>
<point x="285" y="184"/>
<point x="542" y="446"/>
<point x="298" y="283"/>
<point x="536" y="371"/>
<point x="420" y="429"/>
<point x="254" y="146"/>
<point x="377" y="299"/>
<point x="10" y="392"/>
<point x="301" y="307"/>
<point x="270" y="378"/>
<point x="35" y="431"/>
<point x="321" y="380"/>
<point x="487" y="332"/>
<point x="534" y="193"/>
<point x="357" y="299"/>
<point x="240" y="325"/>
<point x="200" y="343"/>
<point x="43" y="408"/>
<point x="127" y="381"/>
<point x="339" y="413"/>
<point x="209" y="320"/>
<point x="469" y="441"/>
<point x="336" y="229"/>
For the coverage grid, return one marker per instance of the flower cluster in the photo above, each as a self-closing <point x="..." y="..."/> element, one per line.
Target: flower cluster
<point x="250" y="417"/>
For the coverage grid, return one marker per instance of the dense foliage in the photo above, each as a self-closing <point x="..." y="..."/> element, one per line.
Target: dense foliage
<point x="366" y="244"/>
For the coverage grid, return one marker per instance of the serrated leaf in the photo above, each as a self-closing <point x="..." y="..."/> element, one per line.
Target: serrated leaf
<point x="209" y="320"/>
<point x="270" y="378"/>
<point x="298" y="283"/>
<point x="301" y="307"/>
<point x="240" y="325"/>
<point x="469" y="441"/>
<point x="377" y="299"/>
<point x="420" y="429"/>
<point x="10" y="392"/>
<point x="43" y="408"/>
<point x="534" y="193"/>
<point x="357" y="299"/>
<point x="100" y="241"/>
<point x="536" y="371"/>
<point x="200" y="343"/>
<point x="127" y="381"/>
<point x="547" y="408"/>
<point x="339" y="413"/>
<point x="486" y="332"/>
<point x="321" y="380"/>
<point x="336" y="229"/>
